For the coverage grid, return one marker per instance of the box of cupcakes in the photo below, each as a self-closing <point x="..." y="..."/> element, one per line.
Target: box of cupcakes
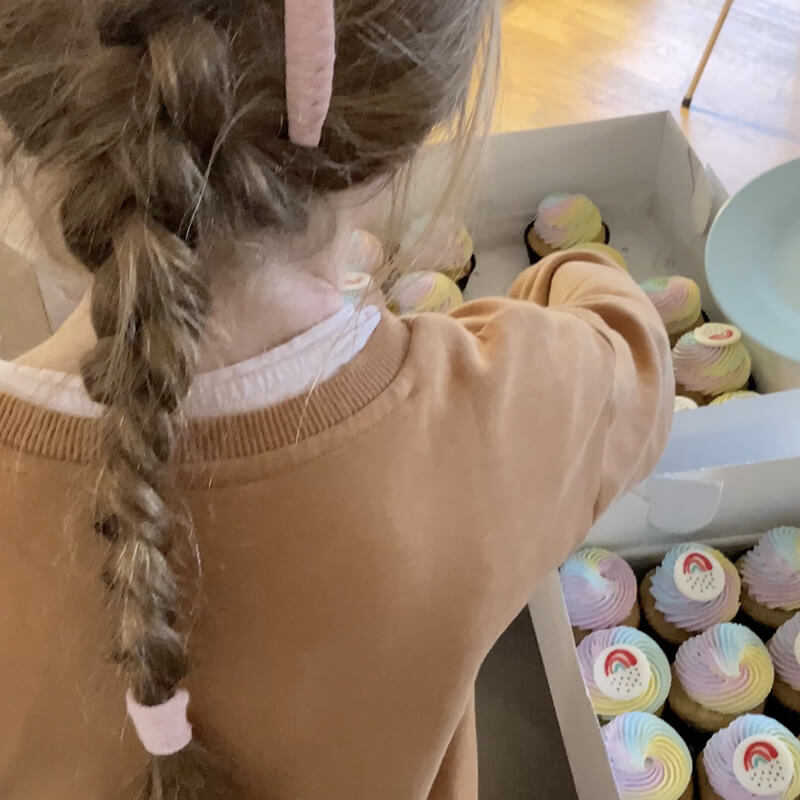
<point x="671" y="640"/>
<point x="685" y="672"/>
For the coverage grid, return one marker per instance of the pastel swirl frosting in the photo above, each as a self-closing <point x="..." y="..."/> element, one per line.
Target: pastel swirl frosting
<point x="364" y="253"/>
<point x="757" y="761"/>
<point x="784" y="647"/>
<point x="771" y="570"/>
<point x="708" y="369"/>
<point x="677" y="300"/>
<point x="680" y="610"/>
<point x="601" y="645"/>
<point x="684" y="404"/>
<point x="566" y="220"/>
<point x="418" y="292"/>
<point x="648" y="759"/>
<point x="599" y="588"/>
<point x="728" y="396"/>
<point x="440" y="244"/>
<point x="726" y="669"/>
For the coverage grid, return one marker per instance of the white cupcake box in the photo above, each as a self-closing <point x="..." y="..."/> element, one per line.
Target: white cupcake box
<point x="730" y="471"/>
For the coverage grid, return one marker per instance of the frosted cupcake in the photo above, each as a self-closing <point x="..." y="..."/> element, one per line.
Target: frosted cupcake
<point x="753" y="757"/>
<point x="720" y="675"/>
<point x="693" y="588"/>
<point x="441" y="245"/>
<point x="684" y="404"/>
<point x="710" y="361"/>
<point x="419" y="292"/>
<point x="649" y="761"/>
<point x="624" y="670"/>
<point x="599" y="590"/>
<point x="364" y="253"/>
<point x="784" y="648"/>
<point x="604" y="250"/>
<point x="564" y="221"/>
<point x="357" y="287"/>
<point x="677" y="300"/>
<point x="771" y="577"/>
<point x="728" y="396"/>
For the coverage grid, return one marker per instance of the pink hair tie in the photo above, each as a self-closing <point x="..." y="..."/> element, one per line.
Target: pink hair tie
<point x="164" y="729"/>
<point x="310" y="56"/>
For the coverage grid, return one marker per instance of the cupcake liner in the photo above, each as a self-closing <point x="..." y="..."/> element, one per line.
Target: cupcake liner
<point x="464" y="280"/>
<point x="535" y="258"/>
<point x="784" y="705"/>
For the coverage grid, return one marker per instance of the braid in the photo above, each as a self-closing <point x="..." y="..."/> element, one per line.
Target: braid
<point x="149" y="304"/>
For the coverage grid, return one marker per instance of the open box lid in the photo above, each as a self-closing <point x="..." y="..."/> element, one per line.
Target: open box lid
<point x="728" y="473"/>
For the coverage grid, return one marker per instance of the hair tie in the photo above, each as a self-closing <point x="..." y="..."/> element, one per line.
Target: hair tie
<point x="163" y="729"/>
<point x="310" y="56"/>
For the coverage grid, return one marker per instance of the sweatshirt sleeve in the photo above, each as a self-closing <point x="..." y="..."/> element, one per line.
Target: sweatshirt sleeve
<point x="581" y="396"/>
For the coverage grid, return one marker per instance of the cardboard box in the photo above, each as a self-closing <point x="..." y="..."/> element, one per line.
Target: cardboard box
<point x="729" y="472"/>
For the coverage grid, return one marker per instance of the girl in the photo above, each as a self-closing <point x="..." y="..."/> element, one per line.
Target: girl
<point x="333" y="512"/>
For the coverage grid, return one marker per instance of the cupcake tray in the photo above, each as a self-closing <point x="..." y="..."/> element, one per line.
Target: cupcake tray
<point x="696" y="740"/>
<point x="579" y="725"/>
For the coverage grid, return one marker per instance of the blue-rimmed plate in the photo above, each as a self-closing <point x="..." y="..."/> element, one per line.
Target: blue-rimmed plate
<point x="753" y="260"/>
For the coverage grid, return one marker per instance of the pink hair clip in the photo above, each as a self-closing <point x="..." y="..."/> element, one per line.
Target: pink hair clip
<point x="164" y="729"/>
<point x="310" y="57"/>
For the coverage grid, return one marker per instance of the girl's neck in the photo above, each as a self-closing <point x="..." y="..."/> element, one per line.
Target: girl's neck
<point x="258" y="304"/>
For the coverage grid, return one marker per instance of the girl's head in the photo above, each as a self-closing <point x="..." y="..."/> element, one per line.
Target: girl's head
<point x="164" y="127"/>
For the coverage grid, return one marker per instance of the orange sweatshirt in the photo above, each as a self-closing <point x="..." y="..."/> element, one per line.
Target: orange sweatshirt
<point x="355" y="574"/>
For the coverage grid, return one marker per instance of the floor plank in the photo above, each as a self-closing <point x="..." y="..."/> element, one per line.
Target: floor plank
<point x="570" y="61"/>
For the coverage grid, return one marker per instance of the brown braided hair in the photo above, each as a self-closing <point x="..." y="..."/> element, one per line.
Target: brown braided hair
<point x="165" y="126"/>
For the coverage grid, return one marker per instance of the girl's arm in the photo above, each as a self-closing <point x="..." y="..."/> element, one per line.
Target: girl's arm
<point x="573" y="377"/>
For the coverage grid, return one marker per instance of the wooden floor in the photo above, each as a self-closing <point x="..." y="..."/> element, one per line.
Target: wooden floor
<point x="570" y="61"/>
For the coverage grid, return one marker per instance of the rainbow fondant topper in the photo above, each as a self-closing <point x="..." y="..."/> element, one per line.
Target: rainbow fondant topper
<point x="717" y="334"/>
<point x="763" y="766"/>
<point x="699" y="576"/>
<point x="622" y="672"/>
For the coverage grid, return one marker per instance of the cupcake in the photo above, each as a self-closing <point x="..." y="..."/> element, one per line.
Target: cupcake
<point x="364" y="253"/>
<point x="771" y="577"/>
<point x="755" y="756"/>
<point x="649" y="761"/>
<point x="624" y="670"/>
<point x="441" y="245"/>
<point x="599" y="590"/>
<point x="677" y="300"/>
<point x="710" y="361"/>
<point x="720" y="675"/>
<point x="357" y="286"/>
<point x="784" y="647"/>
<point x="728" y="396"/>
<point x="684" y="404"/>
<point x="603" y="250"/>
<point x="418" y="292"/>
<point x="693" y="588"/>
<point x="564" y="221"/>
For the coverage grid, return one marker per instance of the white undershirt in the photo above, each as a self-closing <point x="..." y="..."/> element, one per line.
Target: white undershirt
<point x="277" y="375"/>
